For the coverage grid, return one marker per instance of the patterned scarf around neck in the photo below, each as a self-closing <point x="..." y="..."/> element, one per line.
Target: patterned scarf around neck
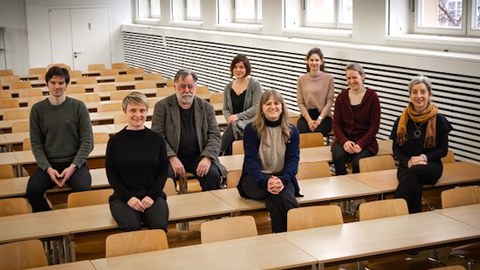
<point x="429" y="116"/>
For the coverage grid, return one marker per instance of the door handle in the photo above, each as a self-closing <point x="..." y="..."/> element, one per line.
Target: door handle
<point x="75" y="54"/>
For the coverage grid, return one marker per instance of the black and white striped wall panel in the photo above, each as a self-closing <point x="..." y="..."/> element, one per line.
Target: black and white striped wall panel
<point x="457" y="95"/>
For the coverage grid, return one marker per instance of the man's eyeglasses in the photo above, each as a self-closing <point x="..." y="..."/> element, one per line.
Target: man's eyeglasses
<point x="186" y="86"/>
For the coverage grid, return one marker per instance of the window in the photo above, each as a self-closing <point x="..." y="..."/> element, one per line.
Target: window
<point x="148" y="9"/>
<point x="186" y="10"/>
<point x="333" y="14"/>
<point x="449" y="17"/>
<point x="248" y="11"/>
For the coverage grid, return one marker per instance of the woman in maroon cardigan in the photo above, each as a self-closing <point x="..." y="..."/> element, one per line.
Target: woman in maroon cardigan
<point x="356" y="121"/>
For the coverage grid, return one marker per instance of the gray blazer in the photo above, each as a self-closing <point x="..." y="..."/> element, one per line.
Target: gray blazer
<point x="252" y="97"/>
<point x="166" y="121"/>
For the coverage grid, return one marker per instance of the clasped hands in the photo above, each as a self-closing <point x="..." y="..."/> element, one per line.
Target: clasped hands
<point x="202" y="168"/>
<point x="274" y="185"/>
<point x="60" y="178"/>
<point x="416" y="160"/>
<point x="313" y="124"/>
<point x="140" y="205"/>
<point x="351" y="147"/>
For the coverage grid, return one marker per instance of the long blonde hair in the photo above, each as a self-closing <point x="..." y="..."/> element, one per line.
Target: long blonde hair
<point x="258" y="121"/>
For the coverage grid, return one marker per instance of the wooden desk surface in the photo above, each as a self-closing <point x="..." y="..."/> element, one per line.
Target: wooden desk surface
<point x="31" y="226"/>
<point x="81" y="265"/>
<point x="181" y="207"/>
<point x="260" y="252"/>
<point x="362" y="239"/>
<point x="469" y="214"/>
<point x="453" y="173"/>
<point x="8" y="158"/>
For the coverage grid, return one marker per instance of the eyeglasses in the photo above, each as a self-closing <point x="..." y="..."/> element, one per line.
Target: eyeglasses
<point x="185" y="86"/>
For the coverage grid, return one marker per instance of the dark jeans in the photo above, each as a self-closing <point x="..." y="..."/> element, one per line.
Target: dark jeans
<point x="40" y="182"/>
<point x="277" y="205"/>
<point x="155" y="217"/>
<point x="340" y="158"/>
<point x="325" y="126"/>
<point x="411" y="181"/>
<point x="210" y="181"/>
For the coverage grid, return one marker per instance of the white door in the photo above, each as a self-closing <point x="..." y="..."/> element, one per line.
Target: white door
<point x="80" y="36"/>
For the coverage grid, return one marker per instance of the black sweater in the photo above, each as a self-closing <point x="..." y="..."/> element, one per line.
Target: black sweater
<point x="136" y="164"/>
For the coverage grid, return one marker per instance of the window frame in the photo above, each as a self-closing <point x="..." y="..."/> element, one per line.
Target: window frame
<point x="151" y="18"/>
<point x="257" y="16"/>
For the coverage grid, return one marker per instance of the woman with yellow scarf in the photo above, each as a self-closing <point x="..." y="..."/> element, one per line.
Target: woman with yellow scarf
<point x="420" y="140"/>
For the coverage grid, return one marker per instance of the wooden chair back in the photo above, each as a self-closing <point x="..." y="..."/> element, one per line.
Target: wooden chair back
<point x="460" y="196"/>
<point x="237" y="147"/>
<point x="5" y="95"/>
<point x="101" y="137"/>
<point x="233" y="177"/>
<point x="317" y="169"/>
<point x="145" y="85"/>
<point x="202" y="90"/>
<point x="34" y="99"/>
<point x="105" y="87"/>
<point x="119" y="95"/>
<point x="313" y="216"/>
<point x="88" y="97"/>
<point x="293" y="119"/>
<point x="76" y="89"/>
<point x="89" y="197"/>
<point x="20" y="85"/>
<point x="95" y="67"/>
<point x="377" y="163"/>
<point x="216" y="97"/>
<point x="23" y="254"/>
<point x="169" y="187"/>
<point x="26" y="144"/>
<point x="14" y="206"/>
<point x="449" y="158"/>
<point x="61" y="65"/>
<point x="6" y="72"/>
<point x="165" y="91"/>
<point x="14" y="114"/>
<point x="152" y="76"/>
<point x="86" y="80"/>
<point x="33" y="92"/>
<point x="119" y="118"/>
<point x="37" y="70"/>
<point x="135" y="71"/>
<point x="109" y="72"/>
<point x="6" y="171"/>
<point x="75" y="74"/>
<point x="228" y="228"/>
<point x="135" y="242"/>
<point x="311" y="139"/>
<point x="109" y="107"/>
<point x="120" y="65"/>
<point x="125" y="78"/>
<point x="9" y="103"/>
<point x="170" y="83"/>
<point x="9" y="78"/>
<point x="383" y="208"/>
<point x="21" y="126"/>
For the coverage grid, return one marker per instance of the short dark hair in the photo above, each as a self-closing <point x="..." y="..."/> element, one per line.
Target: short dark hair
<point x="57" y="71"/>
<point x="182" y="73"/>
<point x="241" y="58"/>
<point x="318" y="52"/>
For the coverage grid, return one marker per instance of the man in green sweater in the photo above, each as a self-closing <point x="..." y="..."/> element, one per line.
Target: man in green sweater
<point x="62" y="138"/>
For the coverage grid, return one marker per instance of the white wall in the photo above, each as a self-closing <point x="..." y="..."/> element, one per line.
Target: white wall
<point x="13" y="18"/>
<point x="38" y="26"/>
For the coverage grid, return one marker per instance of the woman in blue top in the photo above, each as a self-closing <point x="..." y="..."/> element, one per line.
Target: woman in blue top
<point x="240" y="99"/>
<point x="271" y="159"/>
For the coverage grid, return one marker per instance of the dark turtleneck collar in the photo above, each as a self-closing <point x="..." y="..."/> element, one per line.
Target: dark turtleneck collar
<point x="275" y="123"/>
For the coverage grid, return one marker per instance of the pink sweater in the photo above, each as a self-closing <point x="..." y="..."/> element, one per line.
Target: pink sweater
<point x="315" y="92"/>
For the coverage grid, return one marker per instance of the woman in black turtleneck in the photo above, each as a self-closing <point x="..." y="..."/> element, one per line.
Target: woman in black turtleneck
<point x="137" y="165"/>
<point x="271" y="159"/>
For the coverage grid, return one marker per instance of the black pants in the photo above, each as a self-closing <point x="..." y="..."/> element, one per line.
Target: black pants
<point x="210" y="181"/>
<point x="277" y="205"/>
<point x="227" y="140"/>
<point x="340" y="158"/>
<point x="155" y="217"/>
<point x="411" y="181"/>
<point x="325" y="126"/>
<point x="40" y="182"/>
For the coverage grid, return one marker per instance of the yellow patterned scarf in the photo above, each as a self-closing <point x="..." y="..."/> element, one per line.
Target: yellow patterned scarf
<point x="429" y="116"/>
